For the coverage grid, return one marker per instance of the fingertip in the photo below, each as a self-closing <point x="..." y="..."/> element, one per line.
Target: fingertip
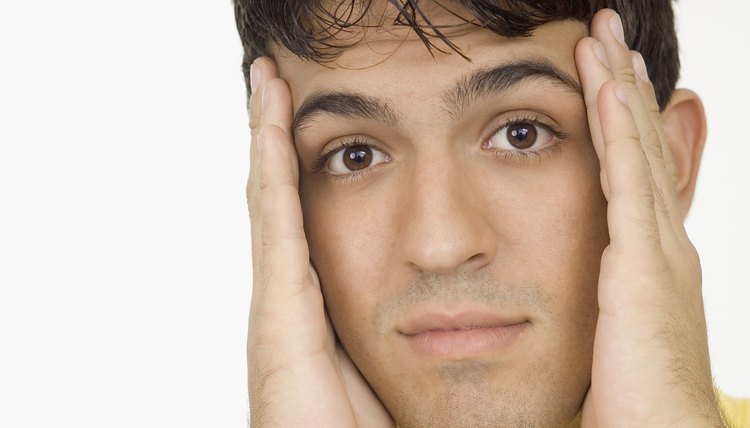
<point x="255" y="77"/>
<point x="600" y="53"/>
<point x="614" y="108"/>
<point x="276" y="104"/>
<point x="600" y="22"/>
<point x="262" y="70"/>
<point x="593" y="68"/>
<point x="267" y="65"/>
<point x="617" y="29"/>
<point x="583" y="44"/>
<point x="583" y="49"/>
<point x="608" y="92"/>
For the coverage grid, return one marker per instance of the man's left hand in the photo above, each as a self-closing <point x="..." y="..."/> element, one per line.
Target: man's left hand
<point x="651" y="364"/>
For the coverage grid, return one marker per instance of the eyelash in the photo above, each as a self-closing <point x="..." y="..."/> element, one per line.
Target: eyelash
<point x="523" y="157"/>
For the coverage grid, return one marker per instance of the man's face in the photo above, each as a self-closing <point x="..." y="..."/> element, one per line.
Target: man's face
<point x="437" y="224"/>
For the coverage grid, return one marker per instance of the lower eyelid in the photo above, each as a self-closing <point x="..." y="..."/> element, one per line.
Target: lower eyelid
<point x="351" y="177"/>
<point x="524" y="157"/>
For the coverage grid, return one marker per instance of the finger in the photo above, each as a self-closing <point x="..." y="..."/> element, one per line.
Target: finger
<point x="591" y="61"/>
<point x="276" y="107"/>
<point x="607" y="27"/>
<point x="285" y="252"/>
<point x="633" y="227"/>
<point x="648" y="95"/>
<point x="276" y="103"/>
<point x="262" y="69"/>
<point x="667" y="177"/>
<point x="265" y="69"/>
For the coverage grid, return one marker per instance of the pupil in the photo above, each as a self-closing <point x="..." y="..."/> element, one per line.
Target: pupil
<point x="522" y="135"/>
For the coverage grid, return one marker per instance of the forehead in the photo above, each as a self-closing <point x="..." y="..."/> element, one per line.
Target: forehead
<point x="397" y="65"/>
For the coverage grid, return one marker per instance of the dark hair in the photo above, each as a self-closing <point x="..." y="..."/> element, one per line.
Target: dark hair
<point x="309" y="30"/>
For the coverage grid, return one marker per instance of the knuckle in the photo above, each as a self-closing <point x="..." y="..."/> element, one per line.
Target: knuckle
<point x="255" y="112"/>
<point x="626" y="75"/>
<point x="281" y="221"/>
<point x="281" y="184"/>
<point x="648" y="199"/>
<point x="630" y="140"/>
<point x="273" y="237"/>
<point x="254" y="125"/>
<point x="652" y="108"/>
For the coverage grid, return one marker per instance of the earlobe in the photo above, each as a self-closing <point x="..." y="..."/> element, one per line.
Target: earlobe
<point x="684" y="123"/>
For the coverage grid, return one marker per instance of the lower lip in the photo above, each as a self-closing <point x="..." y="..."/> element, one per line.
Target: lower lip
<point x="466" y="342"/>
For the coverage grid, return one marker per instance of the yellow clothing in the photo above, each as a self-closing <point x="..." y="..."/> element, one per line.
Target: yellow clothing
<point x="736" y="410"/>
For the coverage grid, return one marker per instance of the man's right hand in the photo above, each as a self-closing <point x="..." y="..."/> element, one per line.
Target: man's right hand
<point x="299" y="375"/>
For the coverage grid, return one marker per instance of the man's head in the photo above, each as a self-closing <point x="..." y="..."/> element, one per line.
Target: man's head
<point x="439" y="192"/>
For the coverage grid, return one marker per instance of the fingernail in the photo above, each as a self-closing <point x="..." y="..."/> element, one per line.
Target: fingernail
<point x="615" y="26"/>
<point x="621" y="94"/>
<point x="254" y="77"/>
<point x="264" y="99"/>
<point x="639" y="65"/>
<point x="599" y="52"/>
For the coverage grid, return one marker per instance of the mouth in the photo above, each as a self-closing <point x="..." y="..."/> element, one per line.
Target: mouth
<point x="462" y="334"/>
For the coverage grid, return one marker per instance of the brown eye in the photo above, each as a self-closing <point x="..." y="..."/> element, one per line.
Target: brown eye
<point x="522" y="135"/>
<point x="519" y="137"/>
<point x="355" y="158"/>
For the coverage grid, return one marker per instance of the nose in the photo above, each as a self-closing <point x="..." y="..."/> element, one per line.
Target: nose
<point x="444" y="227"/>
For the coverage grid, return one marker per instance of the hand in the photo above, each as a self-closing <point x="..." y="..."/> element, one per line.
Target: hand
<point x="651" y="364"/>
<point x="298" y="373"/>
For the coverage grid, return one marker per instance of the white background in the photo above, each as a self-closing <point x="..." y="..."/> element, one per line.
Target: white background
<point x="124" y="241"/>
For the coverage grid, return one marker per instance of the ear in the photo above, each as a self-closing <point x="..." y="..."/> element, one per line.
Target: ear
<point x="684" y="122"/>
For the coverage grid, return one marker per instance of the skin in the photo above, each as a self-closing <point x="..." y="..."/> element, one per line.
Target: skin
<point x="607" y="277"/>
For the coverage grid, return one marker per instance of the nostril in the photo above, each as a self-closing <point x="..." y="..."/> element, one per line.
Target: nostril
<point x="475" y="257"/>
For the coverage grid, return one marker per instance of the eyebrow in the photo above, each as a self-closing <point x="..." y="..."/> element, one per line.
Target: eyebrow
<point x="481" y="83"/>
<point x="344" y="104"/>
<point x="493" y="81"/>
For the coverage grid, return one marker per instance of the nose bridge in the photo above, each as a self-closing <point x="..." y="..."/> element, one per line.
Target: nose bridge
<point x="443" y="228"/>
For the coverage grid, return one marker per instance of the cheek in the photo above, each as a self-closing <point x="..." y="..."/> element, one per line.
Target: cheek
<point x="551" y="226"/>
<point x="565" y="221"/>
<point x="350" y="247"/>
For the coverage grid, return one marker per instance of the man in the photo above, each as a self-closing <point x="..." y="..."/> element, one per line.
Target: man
<point x="489" y="198"/>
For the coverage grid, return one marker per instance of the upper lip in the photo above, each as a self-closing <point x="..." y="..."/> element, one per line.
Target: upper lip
<point x="430" y="320"/>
